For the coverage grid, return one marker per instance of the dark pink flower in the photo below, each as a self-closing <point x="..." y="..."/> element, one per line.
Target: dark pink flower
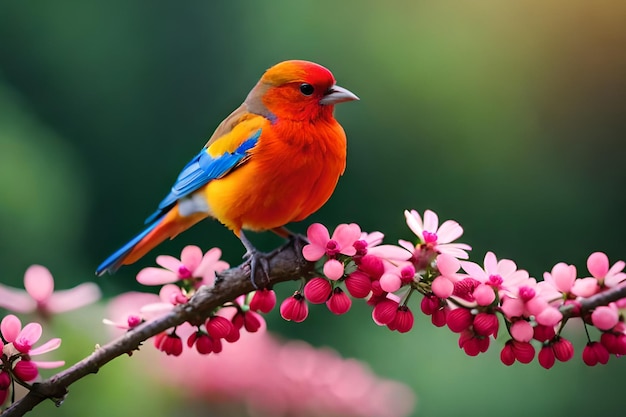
<point x="595" y="353"/>
<point x="563" y="349"/>
<point x="318" y="290"/>
<point x="339" y="302"/>
<point x="486" y="324"/>
<point x="294" y="308"/>
<point x="459" y="319"/>
<point x="385" y="311"/>
<point x="263" y="300"/>
<point x="403" y="321"/>
<point x="358" y="284"/>
<point x="546" y="357"/>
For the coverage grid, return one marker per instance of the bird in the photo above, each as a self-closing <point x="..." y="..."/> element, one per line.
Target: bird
<point x="274" y="160"/>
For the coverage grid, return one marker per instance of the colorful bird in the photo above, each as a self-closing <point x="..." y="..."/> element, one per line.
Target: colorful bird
<point x="276" y="159"/>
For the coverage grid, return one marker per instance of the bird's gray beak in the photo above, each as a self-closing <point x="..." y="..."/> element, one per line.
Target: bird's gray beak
<point x="336" y="94"/>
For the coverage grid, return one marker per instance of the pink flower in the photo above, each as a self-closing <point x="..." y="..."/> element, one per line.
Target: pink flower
<point x="274" y="378"/>
<point x="339" y="303"/>
<point x="192" y="265"/>
<point x="595" y="353"/>
<point x="41" y="297"/>
<point x="19" y="345"/>
<point x="502" y="275"/>
<point x="318" y="290"/>
<point x="263" y="300"/>
<point x="598" y="265"/>
<point x="605" y="317"/>
<point x="294" y="308"/>
<point x="342" y="241"/>
<point x="434" y="239"/>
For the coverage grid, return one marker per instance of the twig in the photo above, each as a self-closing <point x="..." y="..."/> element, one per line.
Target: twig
<point x="584" y="306"/>
<point x="286" y="264"/>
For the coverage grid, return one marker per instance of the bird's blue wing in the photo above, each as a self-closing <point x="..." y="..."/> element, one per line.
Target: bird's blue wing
<point x="202" y="169"/>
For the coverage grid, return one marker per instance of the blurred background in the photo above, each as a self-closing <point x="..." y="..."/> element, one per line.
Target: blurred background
<point x="505" y="116"/>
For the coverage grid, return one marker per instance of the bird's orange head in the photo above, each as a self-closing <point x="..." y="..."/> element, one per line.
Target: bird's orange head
<point x="297" y="90"/>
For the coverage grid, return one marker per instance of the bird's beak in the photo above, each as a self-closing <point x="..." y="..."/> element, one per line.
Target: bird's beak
<point x="336" y="94"/>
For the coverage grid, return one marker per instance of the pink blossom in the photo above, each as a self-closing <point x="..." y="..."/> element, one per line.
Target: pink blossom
<point x="403" y="321"/>
<point x="41" y="297"/>
<point x="486" y="324"/>
<point x="19" y="345"/>
<point x="385" y="311"/>
<point x="342" y="241"/>
<point x="358" y="284"/>
<point x="459" y="319"/>
<point x="434" y="237"/>
<point x="318" y="290"/>
<point x="563" y="349"/>
<point x="598" y="265"/>
<point x="263" y="300"/>
<point x="125" y="309"/>
<point x="339" y="302"/>
<point x="595" y="353"/>
<point x="193" y="265"/>
<point x="605" y="317"/>
<point x="546" y="357"/>
<point x="276" y="378"/>
<point x="522" y="331"/>
<point x="502" y="275"/>
<point x="294" y="308"/>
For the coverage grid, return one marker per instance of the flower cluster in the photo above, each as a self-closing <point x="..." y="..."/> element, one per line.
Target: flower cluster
<point x="470" y="299"/>
<point x="17" y="348"/>
<point x="17" y="342"/>
<point x="180" y="279"/>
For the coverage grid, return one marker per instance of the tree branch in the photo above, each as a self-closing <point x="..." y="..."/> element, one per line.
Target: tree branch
<point x="586" y="305"/>
<point x="285" y="264"/>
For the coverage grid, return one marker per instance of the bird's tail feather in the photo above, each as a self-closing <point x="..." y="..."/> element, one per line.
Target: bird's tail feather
<point x="167" y="226"/>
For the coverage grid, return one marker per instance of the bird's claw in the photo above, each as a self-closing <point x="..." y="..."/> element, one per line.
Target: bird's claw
<point x="258" y="262"/>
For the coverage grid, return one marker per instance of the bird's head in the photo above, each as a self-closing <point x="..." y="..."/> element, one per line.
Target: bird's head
<point x="297" y="90"/>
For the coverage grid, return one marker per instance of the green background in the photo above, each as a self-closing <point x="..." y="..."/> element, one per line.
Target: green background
<point x="505" y="116"/>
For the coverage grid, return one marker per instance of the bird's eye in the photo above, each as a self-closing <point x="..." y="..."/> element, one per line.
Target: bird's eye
<point x="306" y="89"/>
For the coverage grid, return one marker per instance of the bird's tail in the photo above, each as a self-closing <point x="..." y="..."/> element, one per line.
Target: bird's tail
<point x="167" y="226"/>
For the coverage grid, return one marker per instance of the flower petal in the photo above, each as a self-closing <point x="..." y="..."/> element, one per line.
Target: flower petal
<point x="449" y="231"/>
<point x="346" y="235"/>
<point x="431" y="221"/>
<point x="50" y="345"/>
<point x="38" y="282"/>
<point x="48" y="364"/>
<point x="414" y="221"/>
<point x="390" y="252"/>
<point x="77" y="297"/>
<point x="318" y="235"/>
<point x="156" y="276"/>
<point x="15" y="300"/>
<point x="29" y="335"/>
<point x="474" y="271"/>
<point x="313" y="252"/>
<point x="10" y="327"/>
<point x="598" y="264"/>
<point x="169" y="262"/>
<point x="191" y="256"/>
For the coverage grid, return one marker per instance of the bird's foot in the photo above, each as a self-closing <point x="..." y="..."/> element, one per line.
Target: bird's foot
<point x="259" y="264"/>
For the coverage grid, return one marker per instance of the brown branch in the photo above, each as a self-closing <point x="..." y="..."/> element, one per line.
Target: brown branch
<point x="286" y="264"/>
<point x="586" y="305"/>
